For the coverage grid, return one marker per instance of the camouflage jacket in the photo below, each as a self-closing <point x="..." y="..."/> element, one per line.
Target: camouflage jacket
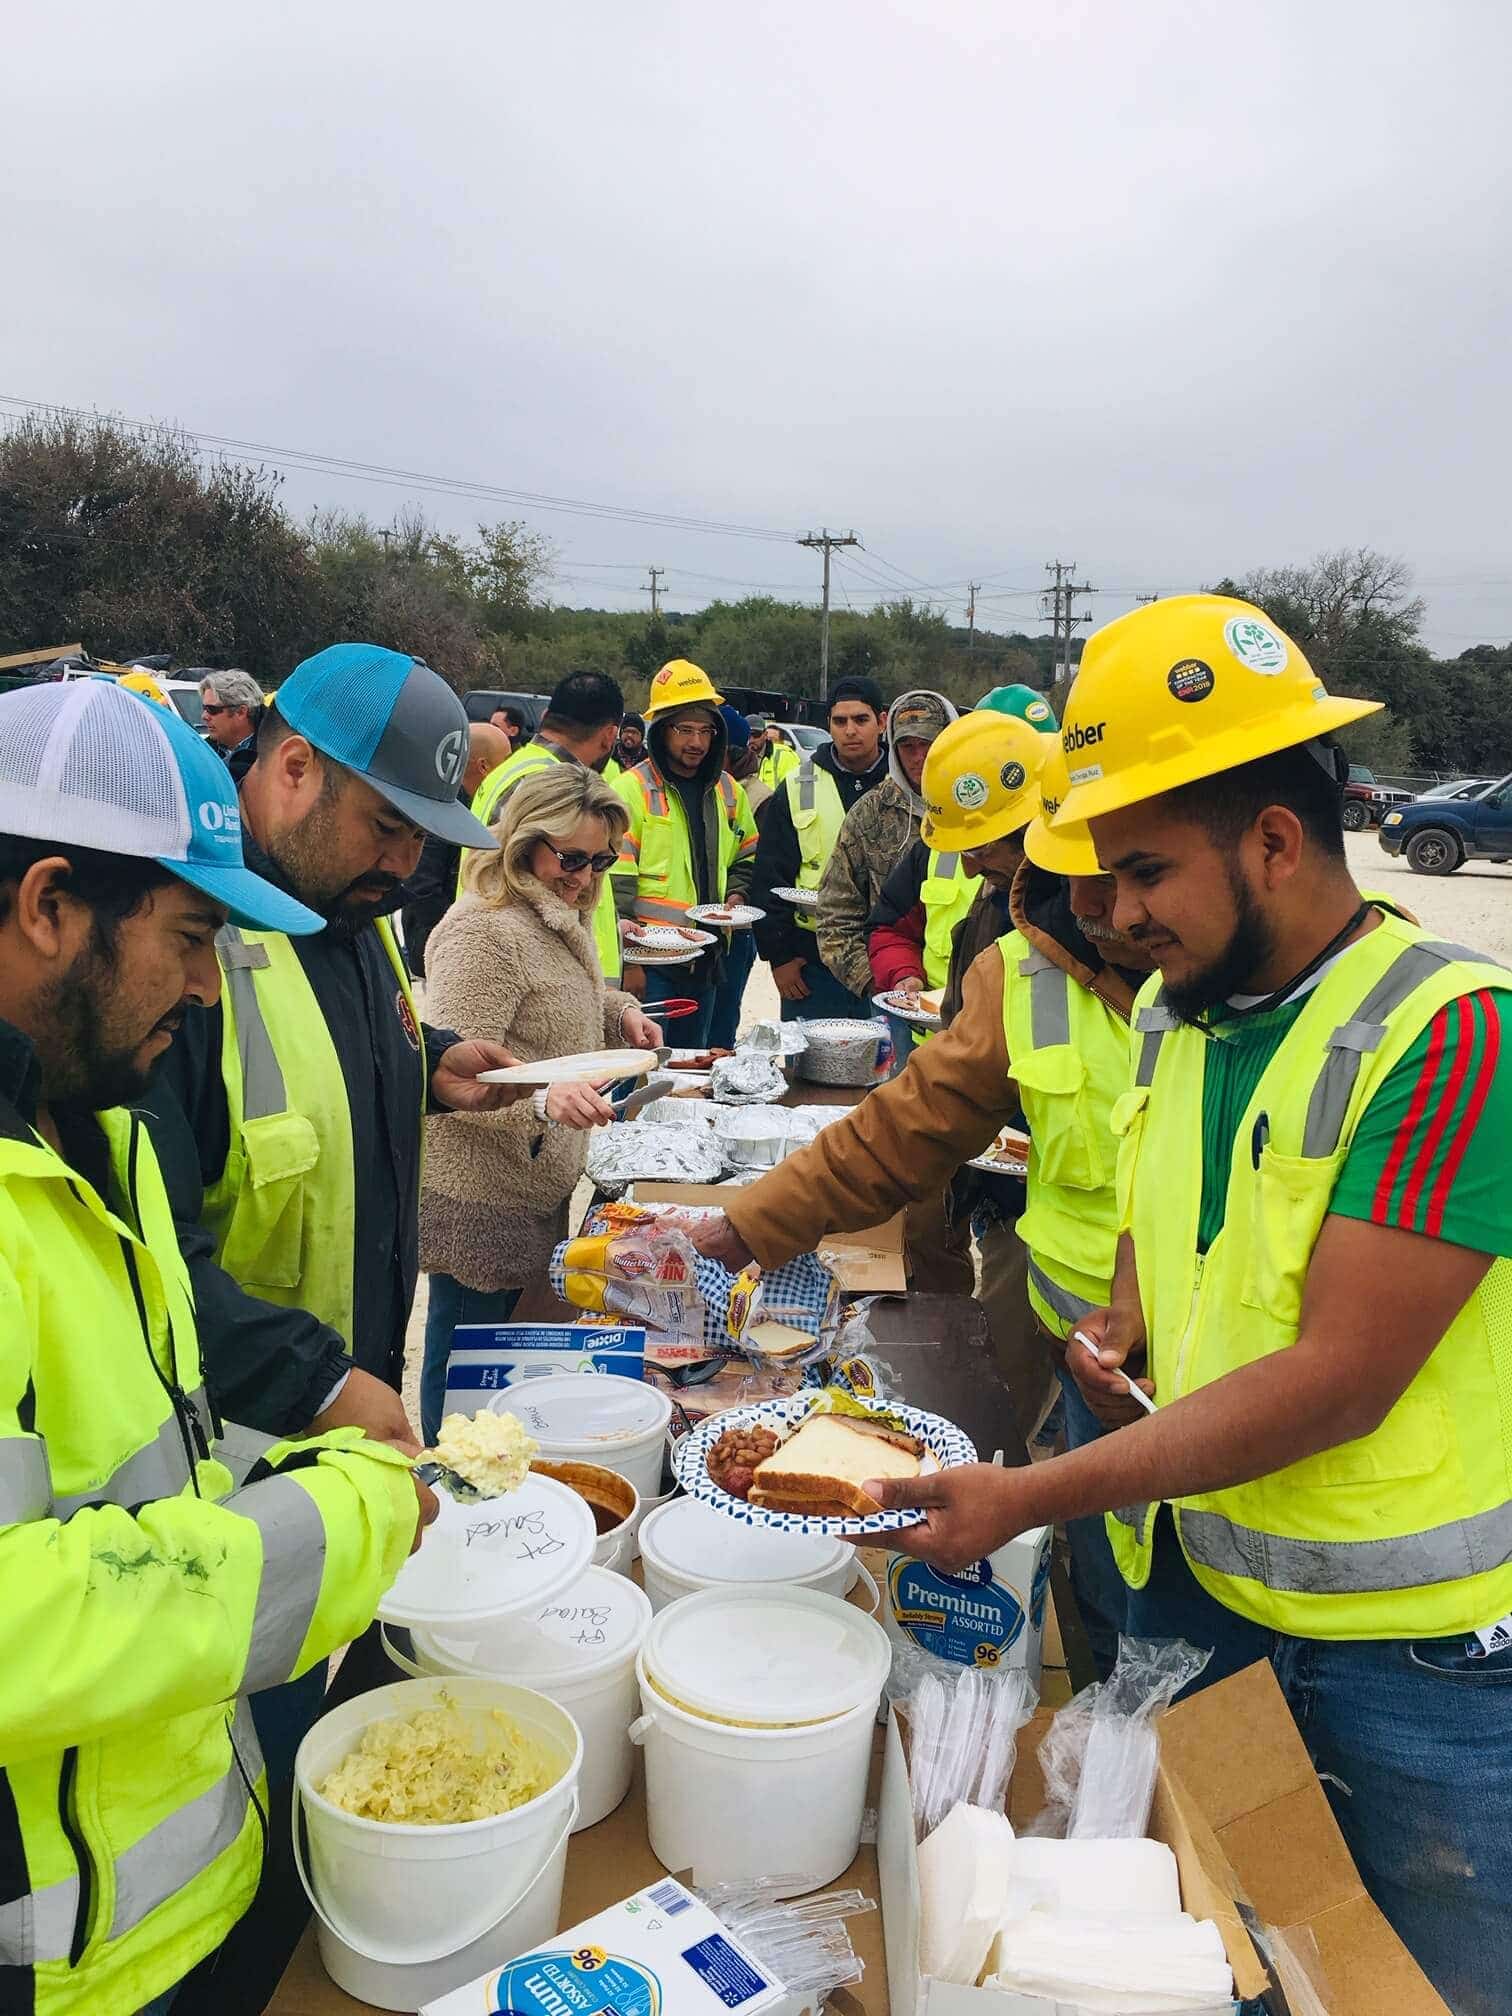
<point x="877" y="832"/>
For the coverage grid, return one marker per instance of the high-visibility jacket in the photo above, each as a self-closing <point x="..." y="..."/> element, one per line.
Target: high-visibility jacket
<point x="1402" y="1533"/>
<point x="778" y="764"/>
<point x="657" y="850"/>
<point x="486" y="801"/>
<point x="281" y="1210"/>
<point x="818" y="814"/>
<point x="143" y="1592"/>
<point x="947" y="893"/>
<point x="1068" y="1053"/>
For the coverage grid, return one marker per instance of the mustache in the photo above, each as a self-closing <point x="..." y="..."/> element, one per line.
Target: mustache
<point x="1097" y="931"/>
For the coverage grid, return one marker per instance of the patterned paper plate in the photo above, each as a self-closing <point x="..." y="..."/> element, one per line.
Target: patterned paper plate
<point x="666" y="938"/>
<point x="803" y="899"/>
<point x="727" y="916"/>
<point x="946" y="1446"/>
<point x="907" y="1008"/>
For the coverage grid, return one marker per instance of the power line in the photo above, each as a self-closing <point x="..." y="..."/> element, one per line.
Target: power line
<point x="1063" y="610"/>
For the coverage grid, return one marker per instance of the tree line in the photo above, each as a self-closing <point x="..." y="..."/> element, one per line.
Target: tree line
<point x="130" y="543"/>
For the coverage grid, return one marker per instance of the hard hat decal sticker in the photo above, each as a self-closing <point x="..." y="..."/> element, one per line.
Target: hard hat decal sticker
<point x="1013" y="775"/>
<point x="1191" y="679"/>
<point x="970" y="791"/>
<point x="1037" y="710"/>
<point x="1255" y="644"/>
<point x="1088" y="775"/>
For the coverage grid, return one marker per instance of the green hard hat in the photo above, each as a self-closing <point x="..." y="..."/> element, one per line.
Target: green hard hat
<point x="1025" y="704"/>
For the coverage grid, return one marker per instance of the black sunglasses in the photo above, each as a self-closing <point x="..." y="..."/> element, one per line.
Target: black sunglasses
<point x="574" y="861"/>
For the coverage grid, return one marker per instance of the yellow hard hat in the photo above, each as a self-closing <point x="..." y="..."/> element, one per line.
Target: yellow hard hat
<point x="681" y="683"/>
<point x="1183" y="689"/>
<point x="146" y="685"/>
<point x="981" y="781"/>
<point x="1067" y="849"/>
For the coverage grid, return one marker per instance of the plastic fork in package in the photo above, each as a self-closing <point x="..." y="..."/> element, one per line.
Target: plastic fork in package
<point x="1101" y="1753"/>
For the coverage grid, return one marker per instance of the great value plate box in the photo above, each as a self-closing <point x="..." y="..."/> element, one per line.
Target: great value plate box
<point x="660" y="1953"/>
<point x="989" y="1615"/>
<point x="1239" y="1805"/>
<point x="486" y="1357"/>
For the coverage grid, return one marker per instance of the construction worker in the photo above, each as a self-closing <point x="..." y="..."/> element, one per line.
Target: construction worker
<point x="1024" y="704"/>
<point x="581" y="725"/>
<point x="631" y="746"/>
<point x="874" y="837"/>
<point x="154" y="1572"/>
<point x="1315" y="1286"/>
<point x="776" y="757"/>
<point x="691" y="839"/>
<point x="145" y="687"/>
<point x="1042" y="1035"/>
<point x="432" y="889"/>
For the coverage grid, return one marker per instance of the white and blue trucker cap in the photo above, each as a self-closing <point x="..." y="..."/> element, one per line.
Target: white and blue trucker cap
<point x="85" y="763"/>
<point x="396" y="723"/>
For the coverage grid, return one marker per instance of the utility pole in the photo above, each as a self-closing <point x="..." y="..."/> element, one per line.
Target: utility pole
<point x="971" y="591"/>
<point x="826" y="542"/>
<point x="1062" y="612"/>
<point x="1148" y="598"/>
<point x="656" y="574"/>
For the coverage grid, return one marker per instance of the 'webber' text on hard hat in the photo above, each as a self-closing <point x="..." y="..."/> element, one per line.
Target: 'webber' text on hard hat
<point x="1186" y="688"/>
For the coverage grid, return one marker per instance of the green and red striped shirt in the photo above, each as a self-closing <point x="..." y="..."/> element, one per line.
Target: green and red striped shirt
<point x="1430" y="1152"/>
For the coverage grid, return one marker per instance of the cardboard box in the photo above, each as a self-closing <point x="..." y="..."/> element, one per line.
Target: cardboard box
<point x="1239" y="1805"/>
<point x="660" y="1953"/>
<point x="864" y="1263"/>
<point x="487" y="1357"/>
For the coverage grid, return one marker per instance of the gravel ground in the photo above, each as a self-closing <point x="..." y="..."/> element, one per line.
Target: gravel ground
<point x="1471" y="907"/>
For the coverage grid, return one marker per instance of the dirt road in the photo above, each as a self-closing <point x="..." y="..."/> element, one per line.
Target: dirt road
<point x="1471" y="907"/>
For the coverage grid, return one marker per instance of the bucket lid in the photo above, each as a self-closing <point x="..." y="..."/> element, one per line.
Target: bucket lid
<point x="694" y="1542"/>
<point x="767" y="1657"/>
<point x="586" y="1413"/>
<point x="598" y="1623"/>
<point x="496" y="1559"/>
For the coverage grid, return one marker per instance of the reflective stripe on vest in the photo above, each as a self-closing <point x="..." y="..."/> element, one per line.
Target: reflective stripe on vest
<point x="40" y="1927"/>
<point x="25" y="1479"/>
<point x="662" y="860"/>
<point x="293" y="1543"/>
<point x="158" y="1471"/>
<point x="1068" y="1056"/>
<point x="501" y="779"/>
<point x="1310" y="1550"/>
<point x="947" y="893"/>
<point x="281" y="1211"/>
<point x="818" y="813"/>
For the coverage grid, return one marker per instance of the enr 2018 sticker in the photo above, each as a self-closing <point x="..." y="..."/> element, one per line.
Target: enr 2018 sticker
<point x="1190" y="680"/>
<point x="1255" y="644"/>
<point x="970" y="791"/>
<point x="1013" y="775"/>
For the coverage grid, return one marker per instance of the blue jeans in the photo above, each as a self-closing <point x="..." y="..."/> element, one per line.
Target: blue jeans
<point x="1420" y="1733"/>
<point x="1101" y="1592"/>
<point x="826" y="996"/>
<point x="671" y="983"/>
<point x="451" y="1304"/>
<point x="724" y="1025"/>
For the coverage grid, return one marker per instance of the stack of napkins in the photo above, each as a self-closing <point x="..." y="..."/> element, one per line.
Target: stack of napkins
<point x="1097" y="1924"/>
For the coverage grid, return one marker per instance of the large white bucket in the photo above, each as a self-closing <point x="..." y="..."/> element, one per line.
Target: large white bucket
<point x="579" y="1652"/>
<point x="686" y="1546"/>
<point x="619" y="1424"/>
<point x="409" y="1913"/>
<point x="758" y="1714"/>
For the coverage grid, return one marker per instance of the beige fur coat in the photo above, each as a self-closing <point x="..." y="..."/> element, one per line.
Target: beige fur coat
<point x="497" y="1185"/>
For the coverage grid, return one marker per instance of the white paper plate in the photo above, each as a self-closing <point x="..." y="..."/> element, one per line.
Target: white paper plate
<point x="804" y="899"/>
<point x="496" y="1559"/>
<point x="898" y="1004"/>
<point x="998" y="1164"/>
<point x="738" y="917"/>
<point x="597" y="1066"/>
<point x="943" y="1441"/>
<point x="635" y="956"/>
<point x="665" y="938"/>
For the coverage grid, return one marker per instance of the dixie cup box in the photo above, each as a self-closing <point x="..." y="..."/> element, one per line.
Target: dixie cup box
<point x="660" y="1953"/>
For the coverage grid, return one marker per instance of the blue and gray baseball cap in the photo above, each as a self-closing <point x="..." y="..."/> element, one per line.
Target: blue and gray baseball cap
<point x="396" y="723"/>
<point x="86" y="763"/>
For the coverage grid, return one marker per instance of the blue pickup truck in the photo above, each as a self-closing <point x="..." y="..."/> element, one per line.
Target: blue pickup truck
<point x="1438" y="835"/>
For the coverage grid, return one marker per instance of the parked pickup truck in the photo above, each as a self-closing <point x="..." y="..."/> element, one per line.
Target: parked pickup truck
<point x="1438" y="835"/>
<point x="1366" y="803"/>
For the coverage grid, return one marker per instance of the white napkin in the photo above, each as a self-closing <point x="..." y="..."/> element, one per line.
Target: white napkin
<point x="963" y="1891"/>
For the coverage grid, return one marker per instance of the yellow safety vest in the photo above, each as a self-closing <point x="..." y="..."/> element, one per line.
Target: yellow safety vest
<point x="818" y="814"/>
<point x="144" y="1593"/>
<point x="657" y="850"/>
<point x="281" y="1210"/>
<point x="778" y="764"/>
<point x="1068" y="1054"/>
<point x="947" y="894"/>
<point x="1403" y="1533"/>
<point x="486" y="801"/>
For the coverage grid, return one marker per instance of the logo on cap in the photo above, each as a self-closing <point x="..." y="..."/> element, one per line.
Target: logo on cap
<point x="407" y="1020"/>
<point x="1013" y="775"/>
<point x="451" y="756"/>
<point x="223" y="821"/>
<point x="970" y="791"/>
<point x="1255" y="644"/>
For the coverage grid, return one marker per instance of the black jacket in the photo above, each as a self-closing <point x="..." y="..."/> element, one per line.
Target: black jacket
<point x="265" y="1365"/>
<point x="427" y="896"/>
<point x="779" y="936"/>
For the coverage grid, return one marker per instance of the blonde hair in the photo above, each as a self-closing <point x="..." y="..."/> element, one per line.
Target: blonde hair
<point x="545" y="805"/>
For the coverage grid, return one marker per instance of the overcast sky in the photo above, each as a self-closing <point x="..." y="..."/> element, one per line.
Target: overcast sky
<point x="1169" y="290"/>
